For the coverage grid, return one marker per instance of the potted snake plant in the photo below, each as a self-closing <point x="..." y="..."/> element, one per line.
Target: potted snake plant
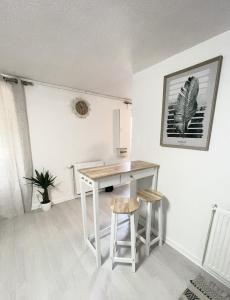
<point x="43" y="181"/>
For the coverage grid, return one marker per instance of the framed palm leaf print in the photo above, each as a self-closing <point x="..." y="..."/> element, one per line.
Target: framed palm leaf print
<point x="189" y="98"/>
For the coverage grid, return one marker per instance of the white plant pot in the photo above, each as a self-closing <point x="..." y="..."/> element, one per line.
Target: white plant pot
<point x="46" y="206"/>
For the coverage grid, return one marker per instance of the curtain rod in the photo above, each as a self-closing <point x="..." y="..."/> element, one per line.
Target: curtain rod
<point x="11" y="79"/>
<point x="80" y="91"/>
<point x="30" y="82"/>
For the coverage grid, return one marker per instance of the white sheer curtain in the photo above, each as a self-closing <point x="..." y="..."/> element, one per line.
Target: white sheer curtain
<point x="15" y="151"/>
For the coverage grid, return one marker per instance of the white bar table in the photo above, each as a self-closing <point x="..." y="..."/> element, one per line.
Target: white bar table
<point x="110" y="175"/>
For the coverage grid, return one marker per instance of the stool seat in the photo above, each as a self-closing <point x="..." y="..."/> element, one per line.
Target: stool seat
<point x="123" y="205"/>
<point x="150" y="195"/>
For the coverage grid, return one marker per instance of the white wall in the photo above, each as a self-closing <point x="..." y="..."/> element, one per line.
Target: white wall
<point x="59" y="138"/>
<point x="192" y="180"/>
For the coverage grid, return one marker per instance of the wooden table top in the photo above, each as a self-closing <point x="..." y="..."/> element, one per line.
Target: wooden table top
<point x="115" y="169"/>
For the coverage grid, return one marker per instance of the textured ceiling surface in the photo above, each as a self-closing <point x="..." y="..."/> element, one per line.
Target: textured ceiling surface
<point x="97" y="45"/>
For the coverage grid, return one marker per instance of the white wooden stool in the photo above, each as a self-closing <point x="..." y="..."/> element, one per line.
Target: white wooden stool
<point x="123" y="206"/>
<point x="150" y="197"/>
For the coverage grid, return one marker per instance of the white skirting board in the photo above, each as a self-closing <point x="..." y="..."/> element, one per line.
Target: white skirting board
<point x="183" y="251"/>
<point x="37" y="205"/>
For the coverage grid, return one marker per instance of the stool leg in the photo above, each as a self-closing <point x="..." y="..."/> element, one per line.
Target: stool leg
<point x="112" y="238"/>
<point x="133" y="242"/>
<point x="136" y="218"/>
<point x="160" y="223"/>
<point x="115" y="234"/>
<point x="84" y="211"/>
<point x="148" y="227"/>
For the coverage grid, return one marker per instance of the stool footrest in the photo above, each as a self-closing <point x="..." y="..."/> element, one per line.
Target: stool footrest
<point x="91" y="246"/>
<point x="141" y="230"/>
<point x="123" y="243"/>
<point x="141" y="238"/>
<point x="153" y="230"/>
<point x="126" y="260"/>
<point x="152" y="242"/>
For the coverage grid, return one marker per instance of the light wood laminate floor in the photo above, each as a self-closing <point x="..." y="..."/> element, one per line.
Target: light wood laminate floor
<point x="42" y="257"/>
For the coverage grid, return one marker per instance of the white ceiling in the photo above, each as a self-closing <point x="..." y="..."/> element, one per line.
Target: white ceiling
<point x="96" y="45"/>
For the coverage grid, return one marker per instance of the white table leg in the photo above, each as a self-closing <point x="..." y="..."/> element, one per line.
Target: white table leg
<point x="160" y="210"/>
<point x="96" y="224"/>
<point x="84" y="211"/>
<point x="133" y="242"/>
<point x="116" y="229"/>
<point x="133" y="194"/>
<point x="160" y="222"/>
<point x="133" y="188"/>
<point x="148" y="228"/>
<point x="155" y="179"/>
<point x="112" y="237"/>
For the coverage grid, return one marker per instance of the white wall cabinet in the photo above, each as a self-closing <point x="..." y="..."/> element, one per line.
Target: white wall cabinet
<point x="122" y="131"/>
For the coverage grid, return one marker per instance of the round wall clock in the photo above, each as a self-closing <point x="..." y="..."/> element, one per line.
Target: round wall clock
<point x="81" y="108"/>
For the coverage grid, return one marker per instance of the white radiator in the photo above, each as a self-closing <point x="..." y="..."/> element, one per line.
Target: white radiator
<point x="83" y="165"/>
<point x="217" y="254"/>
